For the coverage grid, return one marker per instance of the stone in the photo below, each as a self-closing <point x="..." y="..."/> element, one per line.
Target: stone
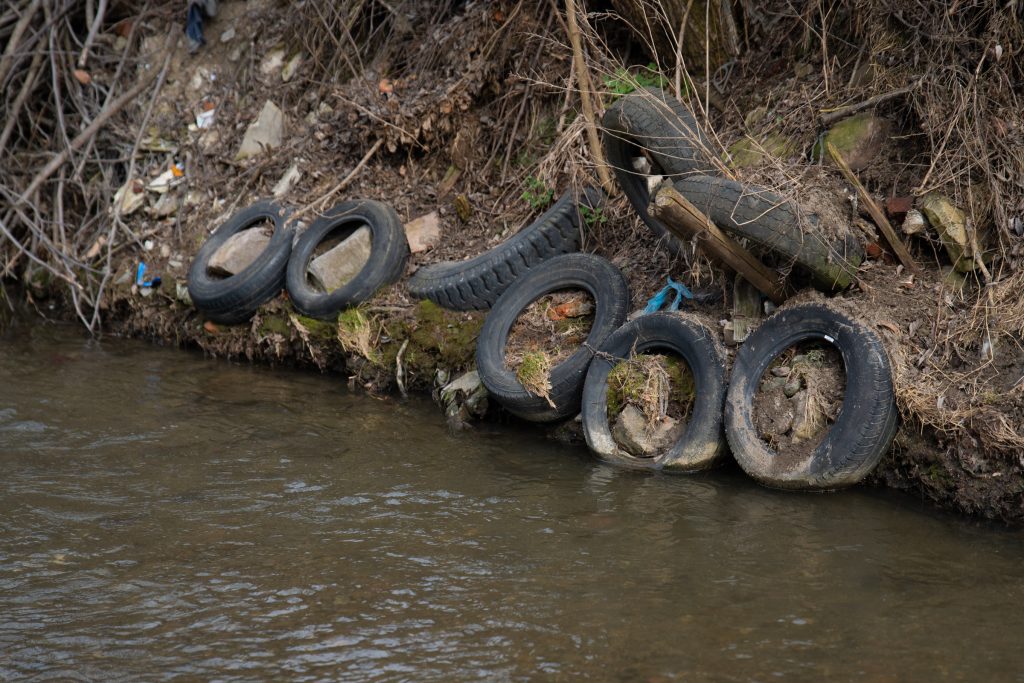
<point x="748" y="152"/>
<point x="266" y="132"/>
<point x="340" y="264"/>
<point x="240" y="250"/>
<point x="291" y="67"/>
<point x="284" y="185"/>
<point x="858" y="138"/>
<point x="166" y="206"/>
<point x="423" y="233"/>
<point x="792" y="387"/>
<point x="898" y="206"/>
<point x="228" y="35"/>
<point x="951" y="224"/>
<point x="181" y="293"/>
<point x="633" y="434"/>
<point x="129" y="197"/>
<point x="913" y="223"/>
<point x="464" y="398"/>
<point x="272" y="61"/>
<point x="781" y="371"/>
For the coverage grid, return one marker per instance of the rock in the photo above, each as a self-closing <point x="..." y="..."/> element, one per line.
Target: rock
<point x="808" y="418"/>
<point x="228" y="36"/>
<point x="266" y="131"/>
<point x="954" y="280"/>
<point x="914" y="223"/>
<point x="166" y="206"/>
<point x="290" y="68"/>
<point x="898" y="206"/>
<point x="748" y="152"/>
<point x="463" y="399"/>
<point x="272" y="61"/>
<point x="873" y="250"/>
<point x="424" y="232"/>
<point x="342" y="263"/>
<point x="792" y="387"/>
<point x="181" y="292"/>
<point x="951" y="224"/>
<point x="637" y="438"/>
<point x="238" y="252"/>
<point x="129" y="197"/>
<point x="781" y="371"/>
<point x="284" y="185"/>
<point x="858" y="138"/>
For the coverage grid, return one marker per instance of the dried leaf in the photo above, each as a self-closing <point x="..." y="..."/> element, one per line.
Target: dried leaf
<point x="82" y="76"/>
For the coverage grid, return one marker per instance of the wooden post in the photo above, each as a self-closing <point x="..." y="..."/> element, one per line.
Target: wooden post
<point x="686" y="221"/>
<point x="884" y="226"/>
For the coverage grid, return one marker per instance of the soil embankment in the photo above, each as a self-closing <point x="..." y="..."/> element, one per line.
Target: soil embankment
<point x="471" y="111"/>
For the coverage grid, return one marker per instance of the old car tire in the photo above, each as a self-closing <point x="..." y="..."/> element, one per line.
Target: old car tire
<point x="702" y="445"/>
<point x="651" y="120"/>
<point x="867" y="421"/>
<point x="602" y="281"/>
<point x="234" y="299"/>
<point x="772" y="223"/>
<point x="477" y="283"/>
<point x="389" y="251"/>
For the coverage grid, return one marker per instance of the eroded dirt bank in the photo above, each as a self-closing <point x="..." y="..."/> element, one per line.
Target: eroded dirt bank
<point x="471" y="110"/>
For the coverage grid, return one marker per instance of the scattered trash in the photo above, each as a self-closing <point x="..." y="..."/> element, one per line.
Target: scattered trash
<point x="198" y="10"/>
<point x="657" y="301"/>
<point x="140" y="278"/>
<point x="204" y="119"/>
<point x="166" y="206"/>
<point x="168" y="179"/>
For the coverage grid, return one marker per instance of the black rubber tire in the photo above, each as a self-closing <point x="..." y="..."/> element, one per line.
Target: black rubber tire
<point x="867" y="421"/>
<point x="653" y="120"/>
<point x="389" y="251"/>
<point x="477" y="283"/>
<point x="772" y="223"/>
<point x="234" y="299"/>
<point x="602" y="281"/>
<point x="702" y="445"/>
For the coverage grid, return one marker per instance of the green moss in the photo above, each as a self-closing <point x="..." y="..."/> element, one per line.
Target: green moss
<point x="318" y="329"/>
<point x="534" y="373"/>
<point x="275" y="324"/>
<point x="748" y="152"/>
<point x="437" y="338"/>
<point x="627" y="382"/>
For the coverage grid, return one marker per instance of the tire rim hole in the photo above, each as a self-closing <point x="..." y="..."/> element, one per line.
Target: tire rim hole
<point x="650" y="398"/>
<point x="339" y="257"/>
<point x="547" y="332"/>
<point x="240" y="250"/>
<point x="798" y="399"/>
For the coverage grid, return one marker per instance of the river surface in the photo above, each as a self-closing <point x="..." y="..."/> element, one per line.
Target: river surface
<point x="166" y="516"/>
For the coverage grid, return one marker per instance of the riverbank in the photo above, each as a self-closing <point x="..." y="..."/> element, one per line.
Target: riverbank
<point x="476" y="118"/>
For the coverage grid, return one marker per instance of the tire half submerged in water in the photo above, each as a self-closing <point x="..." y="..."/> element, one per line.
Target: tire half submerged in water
<point x="702" y="444"/>
<point x="596" y="276"/>
<point x="234" y="299"/>
<point x="477" y="283"/>
<point x="867" y="421"/>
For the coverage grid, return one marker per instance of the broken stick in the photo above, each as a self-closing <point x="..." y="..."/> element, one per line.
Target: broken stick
<point x="884" y="226"/>
<point x="686" y="221"/>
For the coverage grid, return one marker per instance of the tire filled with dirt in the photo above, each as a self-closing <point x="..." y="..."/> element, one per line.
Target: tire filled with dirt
<point x="866" y="423"/>
<point x="234" y="299"/>
<point x="595" y="276"/>
<point x="702" y="442"/>
<point x="772" y="223"/>
<point x="477" y="283"/>
<point x="389" y="251"/>
<point x="651" y="133"/>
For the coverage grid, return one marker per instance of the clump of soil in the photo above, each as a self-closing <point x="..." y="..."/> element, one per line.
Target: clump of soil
<point x="547" y="332"/>
<point x="799" y="398"/>
<point x="650" y="398"/>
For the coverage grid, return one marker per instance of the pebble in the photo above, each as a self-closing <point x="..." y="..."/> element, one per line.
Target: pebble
<point x="791" y="387"/>
<point x="781" y="371"/>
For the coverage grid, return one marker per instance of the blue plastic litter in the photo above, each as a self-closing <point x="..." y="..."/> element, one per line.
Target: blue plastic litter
<point x="657" y="301"/>
<point x="140" y="277"/>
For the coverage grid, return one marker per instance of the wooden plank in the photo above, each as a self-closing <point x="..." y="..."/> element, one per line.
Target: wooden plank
<point x="686" y="221"/>
<point x="901" y="250"/>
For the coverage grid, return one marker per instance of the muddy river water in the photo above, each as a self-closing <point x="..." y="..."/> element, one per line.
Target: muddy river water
<point x="164" y="515"/>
